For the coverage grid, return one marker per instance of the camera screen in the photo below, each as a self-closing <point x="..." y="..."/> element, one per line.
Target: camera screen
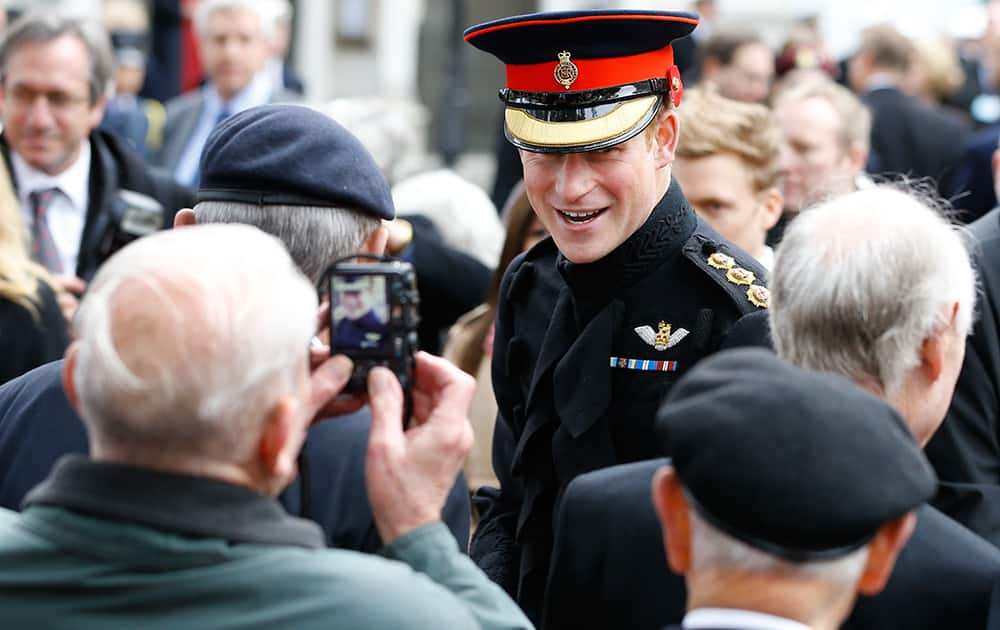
<point x="360" y="315"/>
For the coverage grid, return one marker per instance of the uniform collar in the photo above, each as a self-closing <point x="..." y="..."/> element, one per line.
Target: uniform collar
<point x="181" y="504"/>
<point x="664" y="233"/>
<point x="741" y="619"/>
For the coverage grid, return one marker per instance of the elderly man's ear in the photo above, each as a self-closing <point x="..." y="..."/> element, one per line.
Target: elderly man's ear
<point x="672" y="510"/>
<point x="69" y="376"/>
<point x="184" y="218"/>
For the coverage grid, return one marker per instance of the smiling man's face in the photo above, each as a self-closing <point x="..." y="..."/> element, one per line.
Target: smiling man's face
<point x="591" y="201"/>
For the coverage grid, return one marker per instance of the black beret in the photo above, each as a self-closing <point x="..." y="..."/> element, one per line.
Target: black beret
<point x="584" y="80"/>
<point x="291" y="155"/>
<point x="802" y="465"/>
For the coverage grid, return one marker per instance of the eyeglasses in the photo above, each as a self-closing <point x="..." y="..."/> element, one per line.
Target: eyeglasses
<point x="23" y="97"/>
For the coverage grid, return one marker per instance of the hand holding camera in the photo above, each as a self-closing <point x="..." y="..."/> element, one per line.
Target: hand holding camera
<point x="409" y="474"/>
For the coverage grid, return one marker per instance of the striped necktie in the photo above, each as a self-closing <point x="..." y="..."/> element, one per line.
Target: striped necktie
<point x="43" y="247"/>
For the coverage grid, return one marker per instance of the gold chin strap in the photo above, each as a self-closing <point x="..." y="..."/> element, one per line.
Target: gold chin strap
<point x="565" y="134"/>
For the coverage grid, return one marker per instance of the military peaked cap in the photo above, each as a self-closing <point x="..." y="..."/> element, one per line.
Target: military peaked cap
<point x="584" y="80"/>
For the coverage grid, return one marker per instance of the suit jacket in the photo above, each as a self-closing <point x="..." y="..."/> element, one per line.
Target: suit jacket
<point x="972" y="187"/>
<point x="38" y="427"/>
<point x="578" y="375"/>
<point x="609" y="568"/>
<point x="965" y="451"/>
<point x="911" y="138"/>
<point x="115" y="168"/>
<point x="183" y="113"/>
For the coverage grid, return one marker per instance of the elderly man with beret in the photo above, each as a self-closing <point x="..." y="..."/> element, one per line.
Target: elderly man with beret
<point x="190" y="370"/>
<point x="815" y="505"/>
<point x="595" y="323"/>
<point x="284" y="169"/>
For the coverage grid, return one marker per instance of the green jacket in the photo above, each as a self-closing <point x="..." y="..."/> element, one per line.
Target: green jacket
<point x="109" y="546"/>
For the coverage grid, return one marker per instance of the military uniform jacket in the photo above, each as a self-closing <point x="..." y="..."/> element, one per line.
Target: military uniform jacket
<point x="112" y="219"/>
<point x="583" y="355"/>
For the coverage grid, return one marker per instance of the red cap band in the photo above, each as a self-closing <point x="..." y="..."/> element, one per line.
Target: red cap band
<point x="592" y="74"/>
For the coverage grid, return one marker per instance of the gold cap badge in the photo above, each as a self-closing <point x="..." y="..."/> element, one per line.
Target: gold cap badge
<point x="759" y="296"/>
<point x="566" y="71"/>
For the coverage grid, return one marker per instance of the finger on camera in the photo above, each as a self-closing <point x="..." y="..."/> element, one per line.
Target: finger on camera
<point x="385" y="396"/>
<point x="323" y="316"/>
<point x="327" y="381"/>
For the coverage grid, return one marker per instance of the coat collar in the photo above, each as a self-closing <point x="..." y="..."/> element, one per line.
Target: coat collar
<point x="177" y="503"/>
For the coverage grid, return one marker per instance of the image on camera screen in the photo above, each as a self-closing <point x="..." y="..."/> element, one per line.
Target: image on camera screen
<point x="360" y="314"/>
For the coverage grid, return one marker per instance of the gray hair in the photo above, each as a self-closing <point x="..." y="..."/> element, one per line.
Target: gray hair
<point x="714" y="549"/>
<point x="314" y="236"/>
<point x="187" y="339"/>
<point x="46" y="27"/>
<point x="860" y="281"/>
<point x="265" y="18"/>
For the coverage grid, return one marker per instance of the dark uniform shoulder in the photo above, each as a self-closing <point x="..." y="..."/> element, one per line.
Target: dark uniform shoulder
<point x="737" y="273"/>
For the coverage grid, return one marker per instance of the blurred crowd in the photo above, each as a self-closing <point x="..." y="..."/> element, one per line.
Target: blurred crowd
<point x="169" y="113"/>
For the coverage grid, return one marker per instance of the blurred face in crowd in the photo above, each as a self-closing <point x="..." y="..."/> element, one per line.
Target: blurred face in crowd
<point x="591" y="201"/>
<point x="815" y="163"/>
<point x="720" y="188"/>
<point x="748" y="77"/>
<point x="233" y="49"/>
<point x="47" y="109"/>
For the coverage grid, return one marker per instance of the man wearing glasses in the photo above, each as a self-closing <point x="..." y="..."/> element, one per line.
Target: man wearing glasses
<point x="83" y="194"/>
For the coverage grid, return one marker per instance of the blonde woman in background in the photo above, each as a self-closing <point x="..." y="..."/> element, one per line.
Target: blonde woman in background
<point x="32" y="327"/>
<point x="470" y="340"/>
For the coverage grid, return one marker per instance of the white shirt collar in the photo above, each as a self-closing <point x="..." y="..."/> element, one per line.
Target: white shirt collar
<point x="734" y="618"/>
<point x="74" y="182"/>
<point x="766" y="258"/>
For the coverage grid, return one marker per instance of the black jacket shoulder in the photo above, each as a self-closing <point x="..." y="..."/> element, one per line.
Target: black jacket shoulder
<point x="711" y="253"/>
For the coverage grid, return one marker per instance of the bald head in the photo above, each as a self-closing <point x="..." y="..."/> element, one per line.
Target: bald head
<point x="186" y="339"/>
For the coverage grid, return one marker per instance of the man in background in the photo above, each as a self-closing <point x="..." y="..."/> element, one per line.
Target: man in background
<point x="825" y="135"/>
<point x="234" y="44"/>
<point x="739" y="64"/>
<point x="728" y="164"/>
<point x="84" y="194"/>
<point x="908" y="137"/>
